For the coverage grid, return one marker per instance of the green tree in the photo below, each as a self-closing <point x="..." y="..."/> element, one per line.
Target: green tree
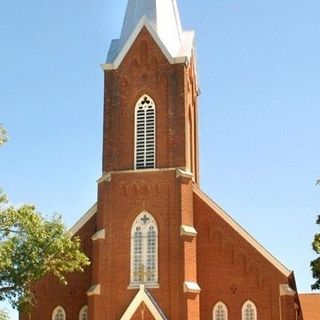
<point x="315" y="264"/>
<point x="3" y="138"/>
<point x="32" y="247"/>
<point x="4" y="315"/>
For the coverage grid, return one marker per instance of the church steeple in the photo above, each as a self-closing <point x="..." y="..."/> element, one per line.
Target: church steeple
<point x="163" y="16"/>
<point x="162" y="19"/>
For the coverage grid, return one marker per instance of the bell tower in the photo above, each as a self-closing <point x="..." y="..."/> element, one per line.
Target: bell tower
<point x="152" y="60"/>
<point x="145" y="245"/>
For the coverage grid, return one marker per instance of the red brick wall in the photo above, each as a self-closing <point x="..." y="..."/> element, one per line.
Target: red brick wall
<point x="232" y="271"/>
<point x="226" y="267"/>
<point x="157" y="192"/>
<point x="145" y="70"/>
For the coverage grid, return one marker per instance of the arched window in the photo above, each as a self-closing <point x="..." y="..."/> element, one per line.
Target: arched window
<point x="249" y="311"/>
<point x="144" y="250"/>
<point x="58" y="314"/>
<point x="220" y="311"/>
<point x="83" y="314"/>
<point x="145" y="133"/>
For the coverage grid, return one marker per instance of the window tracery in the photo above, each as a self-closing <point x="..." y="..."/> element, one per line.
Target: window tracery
<point x="249" y="311"/>
<point x="58" y="314"/>
<point x="220" y="311"/>
<point x="145" y="133"/>
<point x="144" y="250"/>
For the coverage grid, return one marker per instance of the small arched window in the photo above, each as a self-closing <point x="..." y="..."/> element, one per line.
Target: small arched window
<point x="83" y="314"/>
<point x="145" y="133"/>
<point x="249" y="311"/>
<point x="144" y="250"/>
<point x="220" y="311"/>
<point x="58" y="314"/>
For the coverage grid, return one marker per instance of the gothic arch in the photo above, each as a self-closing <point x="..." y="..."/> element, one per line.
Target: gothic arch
<point x="220" y="311"/>
<point x="83" y="314"/>
<point x="58" y="313"/>
<point x="144" y="250"/>
<point x="145" y="133"/>
<point x="249" y="311"/>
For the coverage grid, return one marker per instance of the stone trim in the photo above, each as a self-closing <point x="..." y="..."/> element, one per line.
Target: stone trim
<point x="94" y="290"/>
<point x="106" y="177"/>
<point x="286" y="290"/>
<point x="133" y="286"/>
<point x="99" y="235"/>
<point x="82" y="221"/>
<point x="191" y="287"/>
<point x="143" y="296"/>
<point x="181" y="172"/>
<point x="188" y="231"/>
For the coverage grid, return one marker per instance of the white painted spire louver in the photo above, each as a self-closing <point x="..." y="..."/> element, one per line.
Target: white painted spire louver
<point x="145" y="133"/>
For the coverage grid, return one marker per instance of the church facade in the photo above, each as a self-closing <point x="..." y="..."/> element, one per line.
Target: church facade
<point x="159" y="247"/>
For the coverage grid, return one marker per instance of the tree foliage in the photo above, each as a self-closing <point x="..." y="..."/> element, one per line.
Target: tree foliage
<point x="32" y="247"/>
<point x="4" y="315"/>
<point x="3" y="138"/>
<point x="315" y="264"/>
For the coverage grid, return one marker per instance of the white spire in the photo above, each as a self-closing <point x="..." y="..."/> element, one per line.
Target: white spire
<point x="161" y="17"/>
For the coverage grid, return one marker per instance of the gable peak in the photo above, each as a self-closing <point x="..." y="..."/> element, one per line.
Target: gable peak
<point x="162" y="15"/>
<point x="162" y="20"/>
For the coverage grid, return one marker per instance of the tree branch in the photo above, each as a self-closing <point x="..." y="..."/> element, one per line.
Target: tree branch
<point x="8" y="231"/>
<point x="7" y="289"/>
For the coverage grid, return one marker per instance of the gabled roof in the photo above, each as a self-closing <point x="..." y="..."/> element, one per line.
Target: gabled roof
<point x="163" y="16"/>
<point x="162" y="20"/>
<point x="143" y="296"/>
<point x="82" y="221"/>
<point x="242" y="232"/>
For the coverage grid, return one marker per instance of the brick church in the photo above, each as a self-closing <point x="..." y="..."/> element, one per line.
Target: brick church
<point x="159" y="247"/>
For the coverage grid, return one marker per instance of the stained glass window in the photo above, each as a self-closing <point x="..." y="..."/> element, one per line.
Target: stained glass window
<point x="83" y="315"/>
<point x="144" y="249"/>
<point x="59" y="314"/>
<point x="249" y="311"/>
<point x="220" y="312"/>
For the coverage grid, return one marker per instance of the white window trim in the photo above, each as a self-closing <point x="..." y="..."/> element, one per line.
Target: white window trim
<point x="54" y="313"/>
<point x="82" y="311"/>
<point x="216" y="307"/>
<point x="135" y="131"/>
<point x="244" y="307"/>
<point x="153" y="284"/>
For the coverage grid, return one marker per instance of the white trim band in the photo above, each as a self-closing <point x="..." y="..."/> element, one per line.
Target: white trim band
<point x="286" y="290"/>
<point x="184" y="174"/>
<point x="189" y="231"/>
<point x="99" y="235"/>
<point x="191" y="287"/>
<point x="94" y="290"/>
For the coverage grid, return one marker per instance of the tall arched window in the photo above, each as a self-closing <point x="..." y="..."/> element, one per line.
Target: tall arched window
<point x="220" y="311"/>
<point x="144" y="250"/>
<point x="249" y="311"/>
<point x="58" y="314"/>
<point x="145" y="133"/>
<point x="83" y="314"/>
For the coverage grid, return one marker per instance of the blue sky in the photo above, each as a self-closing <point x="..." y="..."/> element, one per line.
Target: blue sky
<point x="259" y="73"/>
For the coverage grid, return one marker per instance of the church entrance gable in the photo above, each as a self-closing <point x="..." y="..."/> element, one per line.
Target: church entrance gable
<point x="142" y="313"/>
<point x="143" y="307"/>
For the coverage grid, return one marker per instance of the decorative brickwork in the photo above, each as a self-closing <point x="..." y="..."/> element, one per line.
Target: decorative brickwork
<point x="203" y="256"/>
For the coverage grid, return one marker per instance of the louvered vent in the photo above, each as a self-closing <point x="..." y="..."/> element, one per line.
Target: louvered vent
<point x="145" y="143"/>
